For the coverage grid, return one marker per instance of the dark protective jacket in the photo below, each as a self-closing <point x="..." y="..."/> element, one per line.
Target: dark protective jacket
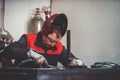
<point x="18" y="50"/>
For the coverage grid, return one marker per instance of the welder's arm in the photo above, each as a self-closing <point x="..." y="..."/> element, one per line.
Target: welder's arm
<point x="68" y="59"/>
<point x="65" y="57"/>
<point x="17" y="49"/>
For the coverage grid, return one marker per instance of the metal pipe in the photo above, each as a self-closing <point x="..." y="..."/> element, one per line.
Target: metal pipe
<point x="9" y="38"/>
<point x="69" y="43"/>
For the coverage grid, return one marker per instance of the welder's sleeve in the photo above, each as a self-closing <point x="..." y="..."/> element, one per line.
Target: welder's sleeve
<point x="65" y="57"/>
<point x="17" y="49"/>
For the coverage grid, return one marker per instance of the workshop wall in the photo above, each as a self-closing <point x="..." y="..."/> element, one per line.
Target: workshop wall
<point x="95" y="27"/>
<point x="18" y="13"/>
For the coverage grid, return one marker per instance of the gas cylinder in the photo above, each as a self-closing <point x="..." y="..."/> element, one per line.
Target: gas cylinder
<point x="37" y="21"/>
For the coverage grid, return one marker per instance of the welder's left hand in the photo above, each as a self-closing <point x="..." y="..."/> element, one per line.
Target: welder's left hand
<point x="40" y="59"/>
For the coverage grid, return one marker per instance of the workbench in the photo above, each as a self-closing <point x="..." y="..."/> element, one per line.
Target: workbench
<point x="59" y="74"/>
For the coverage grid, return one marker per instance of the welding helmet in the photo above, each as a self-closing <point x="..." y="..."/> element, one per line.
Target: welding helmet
<point x="56" y="20"/>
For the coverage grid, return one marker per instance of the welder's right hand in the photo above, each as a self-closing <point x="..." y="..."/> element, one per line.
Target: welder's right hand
<point x="40" y="59"/>
<point x="75" y="62"/>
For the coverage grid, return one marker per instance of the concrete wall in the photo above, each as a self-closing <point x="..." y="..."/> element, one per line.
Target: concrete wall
<point x="18" y="13"/>
<point x="95" y="27"/>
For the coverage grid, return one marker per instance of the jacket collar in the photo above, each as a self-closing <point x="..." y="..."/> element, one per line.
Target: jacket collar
<point x="39" y="43"/>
